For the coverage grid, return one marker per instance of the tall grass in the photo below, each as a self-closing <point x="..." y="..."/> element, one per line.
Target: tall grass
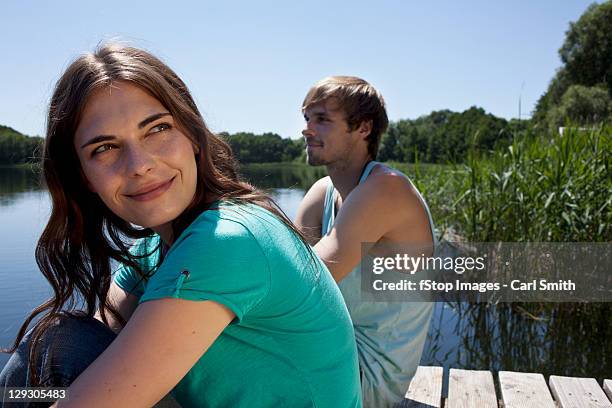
<point x="541" y="188"/>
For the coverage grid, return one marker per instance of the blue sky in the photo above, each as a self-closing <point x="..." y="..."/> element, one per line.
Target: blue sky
<point x="249" y="64"/>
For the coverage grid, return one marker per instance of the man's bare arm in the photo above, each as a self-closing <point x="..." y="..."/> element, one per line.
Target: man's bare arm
<point x="310" y="211"/>
<point x="125" y="303"/>
<point x="371" y="211"/>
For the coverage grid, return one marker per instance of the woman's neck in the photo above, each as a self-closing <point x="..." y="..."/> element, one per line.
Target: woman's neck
<point x="165" y="233"/>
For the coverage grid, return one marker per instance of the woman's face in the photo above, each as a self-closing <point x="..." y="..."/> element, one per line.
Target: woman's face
<point x="135" y="158"/>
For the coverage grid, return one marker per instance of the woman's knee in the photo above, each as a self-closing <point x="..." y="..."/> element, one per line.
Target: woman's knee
<point x="71" y="344"/>
<point x="64" y="350"/>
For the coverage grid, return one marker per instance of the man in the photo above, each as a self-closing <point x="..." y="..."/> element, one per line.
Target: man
<point x="364" y="201"/>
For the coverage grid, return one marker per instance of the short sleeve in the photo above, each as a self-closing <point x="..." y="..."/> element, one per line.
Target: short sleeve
<point x="216" y="259"/>
<point x="126" y="277"/>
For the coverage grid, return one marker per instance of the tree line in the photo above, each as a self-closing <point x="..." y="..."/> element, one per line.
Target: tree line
<point x="17" y="148"/>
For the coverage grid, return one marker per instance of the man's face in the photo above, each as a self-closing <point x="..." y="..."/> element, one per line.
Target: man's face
<point x="327" y="135"/>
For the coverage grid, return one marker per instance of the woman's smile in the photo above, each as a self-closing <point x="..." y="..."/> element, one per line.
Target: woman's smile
<point x="151" y="191"/>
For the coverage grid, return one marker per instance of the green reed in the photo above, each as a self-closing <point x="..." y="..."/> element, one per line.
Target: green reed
<point x="540" y="188"/>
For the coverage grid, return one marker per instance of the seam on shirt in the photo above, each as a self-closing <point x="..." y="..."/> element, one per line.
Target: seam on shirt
<point x="269" y="280"/>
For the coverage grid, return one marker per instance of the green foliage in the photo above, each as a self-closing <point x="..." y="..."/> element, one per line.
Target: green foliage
<point x="586" y="55"/>
<point x="16" y="148"/>
<point x="580" y="104"/>
<point x="543" y="187"/>
<point x="266" y="148"/>
<point x="587" y="50"/>
<point x="444" y="136"/>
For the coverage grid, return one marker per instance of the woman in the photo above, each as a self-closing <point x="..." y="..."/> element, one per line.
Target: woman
<point x="225" y="304"/>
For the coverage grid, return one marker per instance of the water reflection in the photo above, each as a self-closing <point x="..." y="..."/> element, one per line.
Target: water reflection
<point x="272" y="176"/>
<point x="550" y="338"/>
<point x="16" y="180"/>
<point x="563" y="339"/>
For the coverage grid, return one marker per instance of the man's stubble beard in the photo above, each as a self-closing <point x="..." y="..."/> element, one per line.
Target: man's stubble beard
<point x="315" y="161"/>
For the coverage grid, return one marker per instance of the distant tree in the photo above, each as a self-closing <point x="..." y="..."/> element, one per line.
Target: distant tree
<point x="265" y="148"/>
<point x="581" y="104"/>
<point x="586" y="55"/>
<point x="587" y="50"/>
<point x="17" y="148"/>
<point x="388" y="145"/>
<point x="443" y="136"/>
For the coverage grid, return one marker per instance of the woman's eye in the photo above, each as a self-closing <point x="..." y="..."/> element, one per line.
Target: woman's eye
<point x="159" y="128"/>
<point x="102" y="148"/>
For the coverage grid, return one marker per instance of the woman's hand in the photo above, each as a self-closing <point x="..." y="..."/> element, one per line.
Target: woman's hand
<point x="163" y="339"/>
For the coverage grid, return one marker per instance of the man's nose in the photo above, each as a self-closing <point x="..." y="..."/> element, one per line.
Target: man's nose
<point x="307" y="131"/>
<point x="138" y="161"/>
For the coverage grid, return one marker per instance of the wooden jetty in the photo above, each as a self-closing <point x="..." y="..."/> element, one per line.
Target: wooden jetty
<point x="476" y="389"/>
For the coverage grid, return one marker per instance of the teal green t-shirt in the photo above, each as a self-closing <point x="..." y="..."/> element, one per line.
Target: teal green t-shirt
<point x="292" y="342"/>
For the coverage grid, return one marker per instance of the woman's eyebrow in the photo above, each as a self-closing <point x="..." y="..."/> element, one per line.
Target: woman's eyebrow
<point x="143" y="123"/>
<point x="152" y="118"/>
<point x="97" y="139"/>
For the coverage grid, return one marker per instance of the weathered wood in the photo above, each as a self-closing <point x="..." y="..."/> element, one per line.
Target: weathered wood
<point x="607" y="386"/>
<point x="425" y="390"/>
<point x="468" y="389"/>
<point x="524" y="390"/>
<point x="578" y="392"/>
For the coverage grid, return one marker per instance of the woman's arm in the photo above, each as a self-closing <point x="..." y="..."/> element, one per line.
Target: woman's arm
<point x="123" y="302"/>
<point x="163" y="339"/>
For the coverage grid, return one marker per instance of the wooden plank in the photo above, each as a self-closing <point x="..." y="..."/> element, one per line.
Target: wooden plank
<point x="608" y="388"/>
<point x="425" y="390"/>
<point x="524" y="390"/>
<point x="578" y="392"/>
<point x="468" y="389"/>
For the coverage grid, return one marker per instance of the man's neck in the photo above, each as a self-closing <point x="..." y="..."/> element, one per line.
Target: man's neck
<point x="345" y="176"/>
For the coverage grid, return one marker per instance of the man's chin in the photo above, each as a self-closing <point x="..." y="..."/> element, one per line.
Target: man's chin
<point x="315" y="161"/>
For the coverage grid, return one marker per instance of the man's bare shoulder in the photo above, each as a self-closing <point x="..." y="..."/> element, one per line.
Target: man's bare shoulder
<point x="318" y="189"/>
<point x="389" y="188"/>
<point x="388" y="198"/>
<point x="310" y="211"/>
<point x="315" y="196"/>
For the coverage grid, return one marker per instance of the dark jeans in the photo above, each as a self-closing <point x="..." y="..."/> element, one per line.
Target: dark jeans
<point x="67" y="349"/>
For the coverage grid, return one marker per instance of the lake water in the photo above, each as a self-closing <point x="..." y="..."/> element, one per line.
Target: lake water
<point x="561" y="339"/>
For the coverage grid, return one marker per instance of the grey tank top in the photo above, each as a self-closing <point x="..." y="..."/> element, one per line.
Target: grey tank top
<point x="390" y="335"/>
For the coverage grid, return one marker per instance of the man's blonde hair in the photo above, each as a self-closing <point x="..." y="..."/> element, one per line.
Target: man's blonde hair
<point x="359" y="101"/>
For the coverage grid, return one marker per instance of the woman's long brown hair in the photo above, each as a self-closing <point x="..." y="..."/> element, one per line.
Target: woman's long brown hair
<point x="82" y="235"/>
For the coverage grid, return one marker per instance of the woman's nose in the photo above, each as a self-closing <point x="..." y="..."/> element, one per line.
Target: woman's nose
<point x="138" y="161"/>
